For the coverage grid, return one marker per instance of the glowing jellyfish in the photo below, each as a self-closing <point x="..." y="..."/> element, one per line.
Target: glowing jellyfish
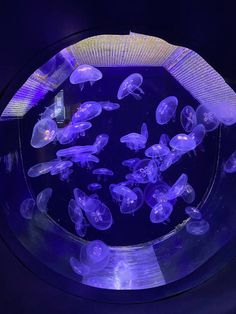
<point x="198" y="134"/>
<point x="52" y="111"/>
<point x="42" y="200"/>
<point x="156" y="193"/>
<point x="75" y="212"/>
<point x="79" y="128"/>
<point x="27" y="208"/>
<point x="197" y="227"/>
<point x="78" y="267"/>
<point x="156" y="151"/>
<point x="74" y="151"/>
<point x="98" y="214"/>
<point x="95" y="255"/>
<point x="85" y="73"/>
<point x="130" y="163"/>
<point x="84" y="160"/>
<point x="129" y="206"/>
<point x="134" y="141"/>
<point x="65" y="174"/>
<point x="60" y="166"/>
<point x="119" y="192"/>
<point x="188" y="118"/>
<point x="166" y="109"/>
<point x="207" y="118"/>
<point x="182" y="142"/>
<point x="94" y="186"/>
<point x="87" y="111"/>
<point x="189" y="194"/>
<point x="103" y="172"/>
<point x="170" y="159"/>
<point x="161" y="212"/>
<point x="131" y="85"/>
<point x="230" y="164"/>
<point x="65" y="135"/>
<point x="44" y="132"/>
<point x="178" y="187"/>
<point x="145" y="171"/>
<point x="80" y="197"/>
<point x="193" y="212"/>
<point x="164" y="139"/>
<point x="109" y="106"/>
<point x="81" y="227"/>
<point x="100" y="142"/>
<point x="40" y="169"/>
<point x="144" y="130"/>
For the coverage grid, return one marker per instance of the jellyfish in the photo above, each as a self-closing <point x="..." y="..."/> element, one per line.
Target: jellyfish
<point x="52" y="111"/>
<point x="94" y="186"/>
<point x="129" y="206"/>
<point x="42" y="200"/>
<point x="85" y="73"/>
<point x="161" y="212"/>
<point x="145" y="172"/>
<point x="156" y="193"/>
<point x="170" y="159"/>
<point x="119" y="192"/>
<point x="178" y="187"/>
<point x="166" y="109"/>
<point x="60" y="166"/>
<point x="79" y="128"/>
<point x="78" y="267"/>
<point x="188" y="118"/>
<point x="27" y="208"/>
<point x="164" y="139"/>
<point x="130" y="163"/>
<point x="84" y="160"/>
<point x="87" y="111"/>
<point x="40" y="169"/>
<point x="207" y="118"/>
<point x="182" y="142"/>
<point x="134" y="141"/>
<point x="81" y="227"/>
<point x="44" y="132"/>
<point x="189" y="194"/>
<point x="98" y="214"/>
<point x="198" y="134"/>
<point x="75" y="212"/>
<point x="197" y="227"/>
<point x="65" y="174"/>
<point x="144" y="130"/>
<point x="109" y="106"/>
<point x="80" y="197"/>
<point x="74" y="151"/>
<point x="65" y="135"/>
<point x="105" y="172"/>
<point x="230" y="164"/>
<point x="131" y="85"/>
<point x="152" y="171"/>
<point x="100" y="142"/>
<point x="193" y="212"/>
<point x="156" y="151"/>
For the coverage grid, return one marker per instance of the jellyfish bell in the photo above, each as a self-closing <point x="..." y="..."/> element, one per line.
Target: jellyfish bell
<point x="164" y="139"/>
<point x="74" y="211"/>
<point x="122" y="191"/>
<point x="44" y="132"/>
<point x="73" y="151"/>
<point x="161" y="212"/>
<point x="207" y="118"/>
<point x="80" y="197"/>
<point x="129" y="206"/>
<point x="156" y="193"/>
<point x="87" y="111"/>
<point x="189" y="194"/>
<point x="130" y="163"/>
<point x="156" y="151"/>
<point x="198" y="134"/>
<point x="188" y="118"/>
<point x="178" y="187"/>
<point x="100" y="142"/>
<point x="144" y="171"/>
<point x="27" y="208"/>
<point x="230" y="164"/>
<point x="42" y="199"/>
<point x="40" y="169"/>
<point x="78" y="267"/>
<point x="103" y="172"/>
<point x="60" y="166"/>
<point x="170" y="159"/>
<point x="79" y="128"/>
<point x="197" y="227"/>
<point x="131" y="85"/>
<point x="134" y="141"/>
<point x="65" y="135"/>
<point x="182" y="142"/>
<point x="152" y="171"/>
<point x="81" y="227"/>
<point x="109" y="106"/>
<point x="166" y="109"/>
<point x="94" y="186"/>
<point x="85" y="73"/>
<point x="144" y="130"/>
<point x="85" y="159"/>
<point x="193" y="212"/>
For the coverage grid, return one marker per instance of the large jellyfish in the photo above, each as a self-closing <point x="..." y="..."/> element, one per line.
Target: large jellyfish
<point x="129" y="206"/>
<point x="40" y="169"/>
<point x="94" y="186"/>
<point x="74" y="151"/>
<point x="87" y="111"/>
<point x="75" y="212"/>
<point x="27" y="208"/>
<point x="230" y="164"/>
<point x="100" y="142"/>
<point x="44" y="132"/>
<point x="188" y="118"/>
<point x="166" y="109"/>
<point x="182" y="142"/>
<point x="156" y="193"/>
<point x="189" y="194"/>
<point x="134" y="141"/>
<point x="109" y="106"/>
<point x="42" y="200"/>
<point x="131" y="85"/>
<point x="161" y="212"/>
<point x="197" y="227"/>
<point x="60" y="166"/>
<point x="78" y="267"/>
<point x="130" y="163"/>
<point x="156" y="151"/>
<point x="198" y="134"/>
<point x="85" y="73"/>
<point x="207" y="118"/>
<point x="193" y="212"/>
<point x="178" y="187"/>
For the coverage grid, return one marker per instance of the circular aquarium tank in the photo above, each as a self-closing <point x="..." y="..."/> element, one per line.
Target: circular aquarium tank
<point x="117" y="168"/>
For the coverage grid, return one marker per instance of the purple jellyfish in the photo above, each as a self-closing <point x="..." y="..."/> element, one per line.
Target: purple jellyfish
<point x="161" y="212"/>
<point x="40" y="169"/>
<point x="188" y="118"/>
<point x="189" y="194"/>
<point x="156" y="193"/>
<point x="230" y="164"/>
<point x="182" y="142"/>
<point x="198" y="134"/>
<point x="207" y="118"/>
<point x="44" y="132"/>
<point x="164" y="139"/>
<point x="100" y="142"/>
<point x="75" y="212"/>
<point x="129" y="206"/>
<point x="109" y="106"/>
<point x="134" y="141"/>
<point x="197" y="227"/>
<point x="94" y="186"/>
<point x="87" y="111"/>
<point x="178" y="187"/>
<point x="156" y="151"/>
<point x="131" y="85"/>
<point x="27" y="208"/>
<point x="85" y="73"/>
<point x="193" y="212"/>
<point x="42" y="200"/>
<point x="166" y="109"/>
<point x="78" y="267"/>
<point x="144" y="130"/>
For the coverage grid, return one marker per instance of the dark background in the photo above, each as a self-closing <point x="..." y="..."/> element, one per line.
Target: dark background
<point x="27" y="28"/>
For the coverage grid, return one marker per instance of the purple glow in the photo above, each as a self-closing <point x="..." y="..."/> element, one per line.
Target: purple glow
<point x="131" y="84"/>
<point x="44" y="132"/>
<point x="42" y="200"/>
<point x="27" y="208"/>
<point x="166" y="109"/>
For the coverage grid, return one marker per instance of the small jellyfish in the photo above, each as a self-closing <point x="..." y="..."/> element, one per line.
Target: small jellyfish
<point x="144" y="130"/>
<point x="131" y="85"/>
<point x="65" y="174"/>
<point x="182" y="142"/>
<point x="119" y="192"/>
<point x="81" y="227"/>
<point x="152" y="171"/>
<point x="84" y="160"/>
<point x="145" y="171"/>
<point x="170" y="159"/>
<point x="74" y="211"/>
<point x="78" y="267"/>
<point x="189" y="194"/>
<point x="178" y="187"/>
<point x="87" y="111"/>
<point x="198" y="134"/>
<point x="80" y="197"/>
<point x="94" y="186"/>
<point x="100" y="142"/>
<point x="197" y="227"/>
<point x="27" y="208"/>
<point x="188" y="118"/>
<point x="85" y="73"/>
<point x="103" y="172"/>
<point x="161" y="212"/>
<point x="207" y="118"/>
<point x="129" y="206"/>
<point x="134" y="141"/>
<point x="79" y="128"/>
<point x="65" y="135"/>
<point x="40" y="169"/>
<point x="44" y="132"/>
<point x="193" y="212"/>
<point x="166" y="109"/>
<point x="52" y="111"/>
<point x="130" y="163"/>
<point x="74" y="151"/>
<point x="156" y="151"/>
<point x="60" y="166"/>
<point x="164" y="139"/>
<point x="42" y="200"/>
<point x="230" y="164"/>
<point x="109" y="106"/>
<point x="156" y="193"/>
